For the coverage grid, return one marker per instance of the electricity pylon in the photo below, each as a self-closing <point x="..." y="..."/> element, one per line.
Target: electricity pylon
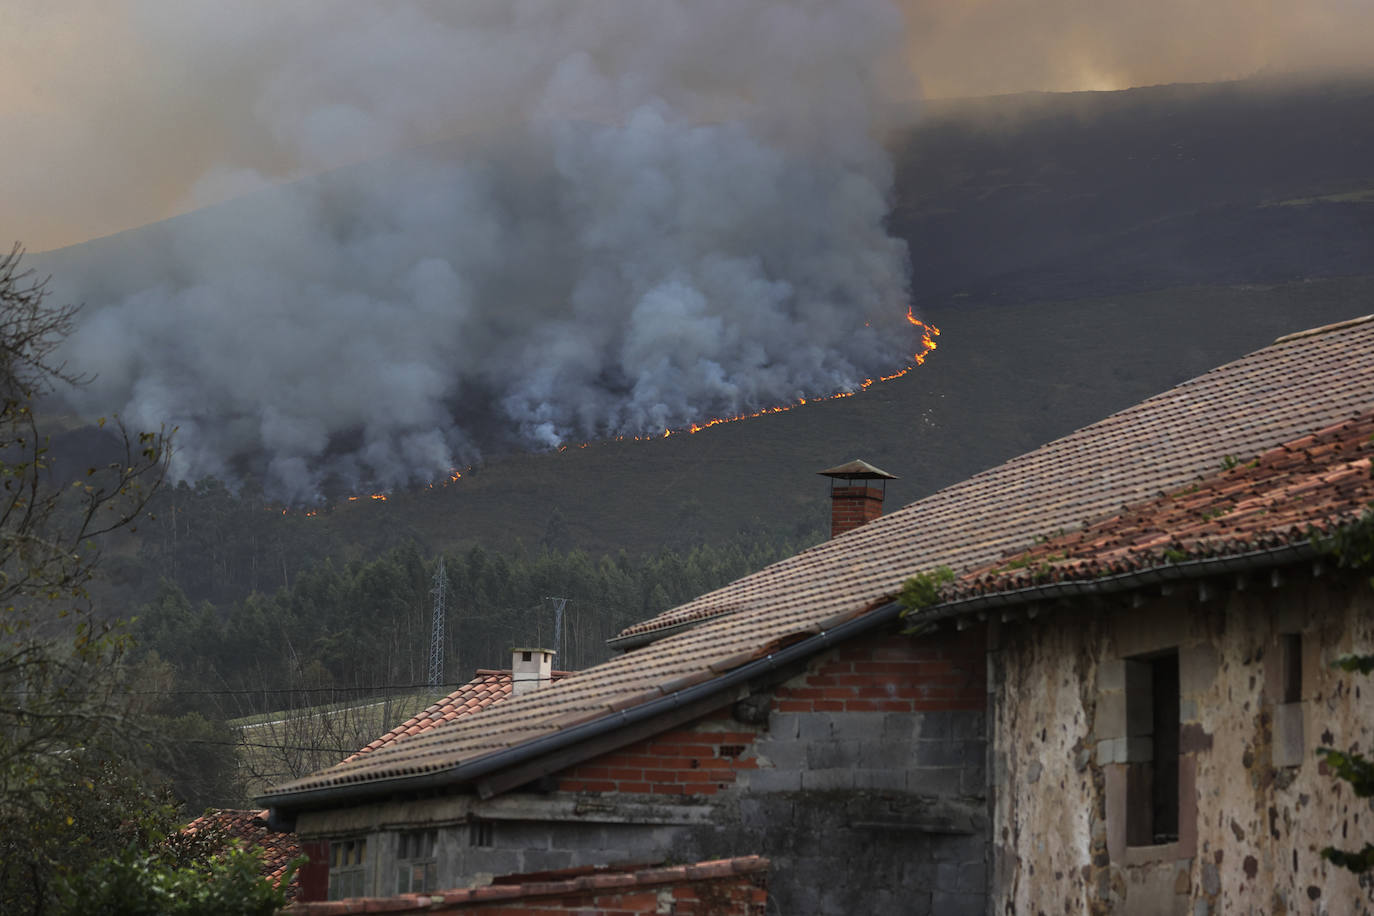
<point x="436" y="639"/>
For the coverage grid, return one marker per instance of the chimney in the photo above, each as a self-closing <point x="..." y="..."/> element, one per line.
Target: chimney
<point x="857" y="489"/>
<point x="530" y="670"/>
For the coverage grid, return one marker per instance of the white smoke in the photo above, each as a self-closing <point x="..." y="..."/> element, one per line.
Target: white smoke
<point x="610" y="218"/>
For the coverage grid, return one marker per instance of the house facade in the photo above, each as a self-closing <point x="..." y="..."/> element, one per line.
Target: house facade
<point x="875" y="743"/>
<point x="1069" y="721"/>
<point x="1162" y="680"/>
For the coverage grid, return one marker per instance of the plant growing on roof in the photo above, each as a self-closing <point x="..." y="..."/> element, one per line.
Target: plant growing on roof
<point x="923" y="589"/>
<point x="1352" y="544"/>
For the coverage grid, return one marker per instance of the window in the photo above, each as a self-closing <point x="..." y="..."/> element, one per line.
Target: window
<point x="347" y="868"/>
<point x="1290" y="660"/>
<point x="415" y="861"/>
<point x="1285" y="685"/>
<point x="1164" y="748"/>
<point x="1152" y="722"/>
<point x="480" y="833"/>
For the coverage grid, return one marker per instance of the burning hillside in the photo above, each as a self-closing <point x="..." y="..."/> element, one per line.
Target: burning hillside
<point x="669" y="215"/>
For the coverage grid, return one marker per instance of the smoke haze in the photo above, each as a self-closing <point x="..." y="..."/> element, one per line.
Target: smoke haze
<point x="638" y="216"/>
<point x="557" y="219"/>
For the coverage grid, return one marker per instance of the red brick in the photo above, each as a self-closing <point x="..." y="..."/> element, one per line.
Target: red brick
<point x="802" y="693"/>
<point x="599" y="785"/>
<point x="700" y="776"/>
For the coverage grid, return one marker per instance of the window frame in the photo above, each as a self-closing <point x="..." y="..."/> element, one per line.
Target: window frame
<point x="1123" y="742"/>
<point x="417" y="861"/>
<point x="348" y="868"/>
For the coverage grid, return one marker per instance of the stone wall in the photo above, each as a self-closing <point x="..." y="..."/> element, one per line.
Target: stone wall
<point x="861" y="777"/>
<point x="1255" y="804"/>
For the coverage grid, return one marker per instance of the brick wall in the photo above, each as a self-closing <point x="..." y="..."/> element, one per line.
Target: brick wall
<point x="875" y="675"/>
<point x="851" y="507"/>
<point x="885" y="675"/>
<point x="700" y="760"/>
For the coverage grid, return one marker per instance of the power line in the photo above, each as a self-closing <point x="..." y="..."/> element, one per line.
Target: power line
<point x="259" y="691"/>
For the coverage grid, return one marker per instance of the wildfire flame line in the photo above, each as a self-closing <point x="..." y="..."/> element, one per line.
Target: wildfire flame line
<point x="928" y="334"/>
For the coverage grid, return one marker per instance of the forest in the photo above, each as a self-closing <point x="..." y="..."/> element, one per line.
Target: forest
<point x="247" y="612"/>
<point x="226" y="617"/>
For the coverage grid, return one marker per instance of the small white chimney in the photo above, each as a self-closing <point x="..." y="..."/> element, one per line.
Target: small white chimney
<point x="531" y="669"/>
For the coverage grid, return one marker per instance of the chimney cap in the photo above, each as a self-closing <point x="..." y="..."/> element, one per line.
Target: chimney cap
<point x="857" y="470"/>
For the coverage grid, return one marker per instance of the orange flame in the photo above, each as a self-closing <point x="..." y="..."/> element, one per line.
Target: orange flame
<point x="928" y="334"/>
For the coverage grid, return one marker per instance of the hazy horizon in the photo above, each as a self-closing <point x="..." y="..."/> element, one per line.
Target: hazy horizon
<point x="118" y="114"/>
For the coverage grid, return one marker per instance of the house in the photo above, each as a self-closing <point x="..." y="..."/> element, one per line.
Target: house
<point x="798" y="714"/>
<point x="1161" y="680"/>
<point x="530" y="669"/>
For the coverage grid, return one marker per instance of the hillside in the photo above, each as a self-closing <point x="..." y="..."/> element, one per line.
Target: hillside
<point x="1078" y="251"/>
<point x="1044" y="197"/>
<point x="1004" y="380"/>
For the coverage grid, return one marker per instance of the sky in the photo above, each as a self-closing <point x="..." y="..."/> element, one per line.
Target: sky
<point x="116" y="113"/>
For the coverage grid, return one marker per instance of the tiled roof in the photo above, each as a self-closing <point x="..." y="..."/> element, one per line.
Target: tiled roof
<point x="251" y="830"/>
<point x="1288" y="389"/>
<point x="601" y="882"/>
<point x="1317" y="482"/>
<point x="488" y="686"/>
<point x="1294" y="386"/>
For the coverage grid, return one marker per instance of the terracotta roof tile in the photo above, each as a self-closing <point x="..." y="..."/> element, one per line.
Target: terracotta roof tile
<point x="250" y="829"/>
<point x="486" y="688"/>
<point x="1316" y="482"/>
<point x="1288" y="390"/>
<point x="510" y="889"/>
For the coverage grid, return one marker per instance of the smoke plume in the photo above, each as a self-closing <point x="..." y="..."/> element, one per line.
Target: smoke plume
<point x="609" y="218"/>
